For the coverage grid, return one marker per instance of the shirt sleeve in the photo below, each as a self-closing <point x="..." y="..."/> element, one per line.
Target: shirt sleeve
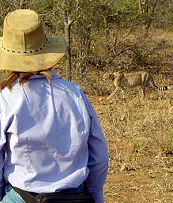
<point x="2" y="142"/>
<point x="98" y="156"/>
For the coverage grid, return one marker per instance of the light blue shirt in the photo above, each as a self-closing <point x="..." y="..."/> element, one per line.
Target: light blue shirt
<point x="52" y="138"/>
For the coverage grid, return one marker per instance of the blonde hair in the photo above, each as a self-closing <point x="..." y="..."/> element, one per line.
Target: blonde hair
<point x="23" y="77"/>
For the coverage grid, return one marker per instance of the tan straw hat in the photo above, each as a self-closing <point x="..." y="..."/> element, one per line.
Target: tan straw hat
<point x="24" y="46"/>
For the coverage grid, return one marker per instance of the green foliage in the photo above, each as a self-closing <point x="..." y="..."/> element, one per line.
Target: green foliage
<point x="102" y="30"/>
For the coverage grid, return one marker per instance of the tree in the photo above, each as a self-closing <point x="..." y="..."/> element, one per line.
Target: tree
<point x="143" y="6"/>
<point x="98" y="31"/>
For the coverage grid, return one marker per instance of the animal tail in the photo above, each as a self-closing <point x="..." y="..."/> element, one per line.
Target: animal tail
<point x="164" y="88"/>
<point x="154" y="86"/>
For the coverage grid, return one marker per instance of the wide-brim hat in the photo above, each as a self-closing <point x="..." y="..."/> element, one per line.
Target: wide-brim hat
<point x="25" y="47"/>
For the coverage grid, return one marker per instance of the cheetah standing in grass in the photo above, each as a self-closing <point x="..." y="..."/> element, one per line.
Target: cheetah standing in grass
<point x="141" y="79"/>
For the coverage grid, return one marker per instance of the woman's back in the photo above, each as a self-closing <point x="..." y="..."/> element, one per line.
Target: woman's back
<point x="47" y="125"/>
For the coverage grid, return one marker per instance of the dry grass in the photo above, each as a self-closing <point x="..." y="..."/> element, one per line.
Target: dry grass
<point x="139" y="133"/>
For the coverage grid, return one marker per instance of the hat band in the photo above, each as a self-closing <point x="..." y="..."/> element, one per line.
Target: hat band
<point x="26" y="52"/>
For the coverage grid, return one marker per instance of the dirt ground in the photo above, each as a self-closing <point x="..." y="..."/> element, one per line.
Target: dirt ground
<point x="140" y="149"/>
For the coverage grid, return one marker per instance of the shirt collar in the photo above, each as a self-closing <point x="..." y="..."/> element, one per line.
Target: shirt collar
<point x="53" y="74"/>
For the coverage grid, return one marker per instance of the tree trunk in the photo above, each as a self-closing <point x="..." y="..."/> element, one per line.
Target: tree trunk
<point x="22" y="4"/>
<point x="150" y="19"/>
<point x="143" y="6"/>
<point x="68" y="23"/>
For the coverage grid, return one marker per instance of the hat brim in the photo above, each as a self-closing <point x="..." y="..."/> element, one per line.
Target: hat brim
<point x="49" y="57"/>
